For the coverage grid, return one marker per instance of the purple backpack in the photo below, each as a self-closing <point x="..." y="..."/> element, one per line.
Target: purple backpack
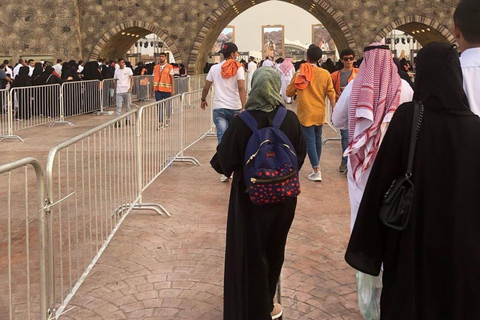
<point x="271" y="165"/>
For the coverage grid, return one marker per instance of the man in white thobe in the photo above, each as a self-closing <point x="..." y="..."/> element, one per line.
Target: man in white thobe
<point x="252" y="66"/>
<point x="467" y="32"/>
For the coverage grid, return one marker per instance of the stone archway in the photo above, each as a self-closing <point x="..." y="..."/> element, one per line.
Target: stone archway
<point x="114" y="44"/>
<point x="332" y="19"/>
<point x="413" y="23"/>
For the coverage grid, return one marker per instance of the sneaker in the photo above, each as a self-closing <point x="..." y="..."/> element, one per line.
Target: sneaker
<point x="224" y="178"/>
<point x="343" y="167"/>
<point x="315" y="176"/>
<point x="277" y="311"/>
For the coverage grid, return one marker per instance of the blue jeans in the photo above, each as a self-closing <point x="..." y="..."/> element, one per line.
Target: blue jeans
<point x="159" y="95"/>
<point x="344" y="134"/>
<point x="222" y="119"/>
<point x="313" y="137"/>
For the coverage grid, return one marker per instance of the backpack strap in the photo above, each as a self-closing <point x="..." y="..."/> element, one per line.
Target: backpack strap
<point x="279" y="117"/>
<point x="249" y="120"/>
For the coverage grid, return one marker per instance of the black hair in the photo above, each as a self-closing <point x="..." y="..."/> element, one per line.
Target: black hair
<point x="30" y="60"/>
<point x="59" y="61"/>
<point x="6" y="62"/>
<point x="2" y="66"/>
<point x="347" y="52"/>
<point x="120" y="59"/>
<point x="314" y="53"/>
<point x="466" y="18"/>
<point x="162" y="54"/>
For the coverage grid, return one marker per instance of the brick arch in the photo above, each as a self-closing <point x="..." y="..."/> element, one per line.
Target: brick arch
<point x="332" y="19"/>
<point x="409" y="23"/>
<point x="144" y="29"/>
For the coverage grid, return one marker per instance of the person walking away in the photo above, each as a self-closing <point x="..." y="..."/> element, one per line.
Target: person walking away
<point x="4" y="81"/>
<point x="23" y="98"/>
<point x="252" y="66"/>
<point x="312" y="85"/>
<point x="467" y="32"/>
<point x="256" y="234"/>
<point x="431" y="267"/>
<point x="286" y="70"/>
<point x="163" y="88"/>
<point x="143" y="81"/>
<point x="124" y="83"/>
<point x="340" y="79"/>
<point x="228" y="79"/>
<point x="366" y="114"/>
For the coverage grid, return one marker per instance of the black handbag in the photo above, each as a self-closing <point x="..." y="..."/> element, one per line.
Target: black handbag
<point x="397" y="202"/>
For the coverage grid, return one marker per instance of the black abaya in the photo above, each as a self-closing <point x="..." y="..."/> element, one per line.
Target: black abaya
<point x="431" y="269"/>
<point x="256" y="235"/>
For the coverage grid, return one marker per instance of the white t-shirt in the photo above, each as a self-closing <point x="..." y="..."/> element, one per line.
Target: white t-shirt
<point x="123" y="79"/>
<point x="30" y="73"/>
<point x="470" y="60"/>
<point x="226" y="90"/>
<point x="162" y="66"/>
<point x="58" y="68"/>
<point x="80" y="68"/>
<point x="9" y="71"/>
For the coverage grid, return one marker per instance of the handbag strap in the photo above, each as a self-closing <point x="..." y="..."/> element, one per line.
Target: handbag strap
<point x="416" y="125"/>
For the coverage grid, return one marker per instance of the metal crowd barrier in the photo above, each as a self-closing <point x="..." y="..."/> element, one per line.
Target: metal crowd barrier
<point x="328" y="121"/>
<point x="81" y="97"/>
<point x="197" y="82"/>
<point x="29" y="107"/>
<point x="108" y="93"/>
<point x="142" y="87"/>
<point x="92" y="187"/>
<point x="181" y="85"/>
<point x="4" y="114"/>
<point x="23" y="283"/>
<point x="197" y="123"/>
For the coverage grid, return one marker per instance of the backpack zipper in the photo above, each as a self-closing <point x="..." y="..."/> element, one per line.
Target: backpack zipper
<point x="274" y="180"/>
<point x="258" y="150"/>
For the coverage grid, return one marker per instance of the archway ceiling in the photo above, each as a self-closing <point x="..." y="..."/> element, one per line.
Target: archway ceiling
<point x="118" y="45"/>
<point x="422" y="37"/>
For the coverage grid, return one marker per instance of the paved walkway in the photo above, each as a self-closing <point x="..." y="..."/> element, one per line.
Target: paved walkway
<point x="172" y="268"/>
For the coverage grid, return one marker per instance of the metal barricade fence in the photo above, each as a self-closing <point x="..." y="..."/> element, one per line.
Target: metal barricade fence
<point x="4" y="113"/>
<point x="23" y="286"/>
<point x="160" y="140"/>
<point x="181" y="85"/>
<point x="92" y="186"/>
<point x="197" y="123"/>
<point x="197" y="82"/>
<point x="108" y="93"/>
<point x="81" y="97"/>
<point x="328" y="121"/>
<point x="142" y="87"/>
<point x="32" y="106"/>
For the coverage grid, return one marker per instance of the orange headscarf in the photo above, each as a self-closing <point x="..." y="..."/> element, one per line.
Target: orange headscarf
<point x="305" y="77"/>
<point x="230" y="68"/>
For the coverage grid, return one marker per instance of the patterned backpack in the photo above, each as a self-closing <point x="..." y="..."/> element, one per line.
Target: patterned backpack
<point x="271" y="165"/>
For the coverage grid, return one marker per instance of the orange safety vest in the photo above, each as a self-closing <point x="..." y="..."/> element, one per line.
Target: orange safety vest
<point x="161" y="79"/>
<point x="336" y="79"/>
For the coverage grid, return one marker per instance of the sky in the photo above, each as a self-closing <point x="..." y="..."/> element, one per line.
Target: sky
<point x="248" y="25"/>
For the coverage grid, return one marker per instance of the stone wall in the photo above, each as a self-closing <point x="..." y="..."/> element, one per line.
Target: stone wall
<point x="81" y="28"/>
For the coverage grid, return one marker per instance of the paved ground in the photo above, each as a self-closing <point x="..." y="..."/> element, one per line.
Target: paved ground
<point x="172" y="268"/>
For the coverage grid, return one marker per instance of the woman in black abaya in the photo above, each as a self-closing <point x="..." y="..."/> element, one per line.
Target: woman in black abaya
<point x="256" y="235"/>
<point x="23" y="97"/>
<point x="431" y="269"/>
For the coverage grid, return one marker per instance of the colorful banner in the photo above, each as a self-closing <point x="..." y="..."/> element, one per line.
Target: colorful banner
<point x="273" y="43"/>
<point x="322" y="38"/>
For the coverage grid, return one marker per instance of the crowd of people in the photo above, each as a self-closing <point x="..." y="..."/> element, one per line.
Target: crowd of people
<point x="409" y="150"/>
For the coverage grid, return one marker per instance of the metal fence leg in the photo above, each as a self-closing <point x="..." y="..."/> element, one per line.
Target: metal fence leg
<point x="10" y="113"/>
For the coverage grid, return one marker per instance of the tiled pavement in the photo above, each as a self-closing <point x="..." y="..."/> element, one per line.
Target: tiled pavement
<point x="172" y="268"/>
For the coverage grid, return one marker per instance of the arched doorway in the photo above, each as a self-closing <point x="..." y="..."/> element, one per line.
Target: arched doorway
<point x="423" y="29"/>
<point x="320" y="9"/>
<point x="116" y="42"/>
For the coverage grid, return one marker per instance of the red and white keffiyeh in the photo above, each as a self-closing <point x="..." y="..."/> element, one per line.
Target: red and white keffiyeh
<point x="286" y="66"/>
<point x="375" y="97"/>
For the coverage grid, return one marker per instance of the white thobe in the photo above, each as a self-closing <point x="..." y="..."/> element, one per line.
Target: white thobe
<point x="340" y="119"/>
<point x="470" y="60"/>
<point x="286" y="78"/>
<point x="252" y="66"/>
<point x="267" y="63"/>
